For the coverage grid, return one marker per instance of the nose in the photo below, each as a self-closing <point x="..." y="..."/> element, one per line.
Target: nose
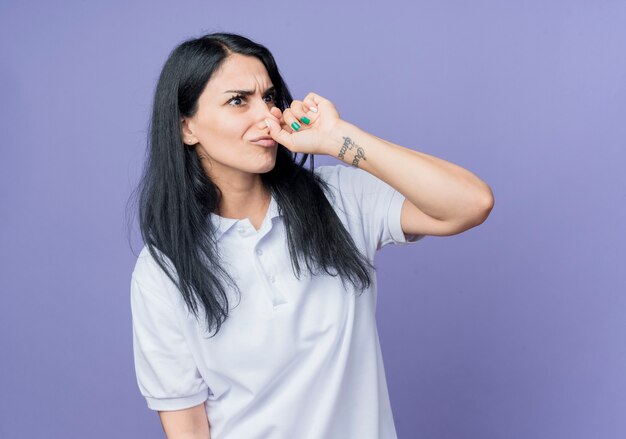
<point x="262" y="109"/>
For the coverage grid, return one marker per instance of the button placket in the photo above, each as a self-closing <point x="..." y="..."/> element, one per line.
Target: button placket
<point x="267" y="271"/>
<point x="268" y="268"/>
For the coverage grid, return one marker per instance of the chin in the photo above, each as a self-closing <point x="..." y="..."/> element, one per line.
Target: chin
<point x="267" y="168"/>
<point x="268" y="165"/>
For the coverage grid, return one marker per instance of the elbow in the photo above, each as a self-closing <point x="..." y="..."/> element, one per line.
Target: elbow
<point x="481" y="210"/>
<point x="475" y="214"/>
<point x="489" y="202"/>
<point x="484" y="207"/>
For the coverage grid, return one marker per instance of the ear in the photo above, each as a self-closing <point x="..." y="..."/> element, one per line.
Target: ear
<point x="186" y="129"/>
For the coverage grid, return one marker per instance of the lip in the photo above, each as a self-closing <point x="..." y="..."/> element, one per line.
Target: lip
<point x="266" y="141"/>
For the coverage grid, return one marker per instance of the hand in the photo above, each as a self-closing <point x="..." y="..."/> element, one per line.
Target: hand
<point x="314" y="137"/>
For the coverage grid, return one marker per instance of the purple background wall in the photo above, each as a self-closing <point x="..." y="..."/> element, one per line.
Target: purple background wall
<point x="514" y="329"/>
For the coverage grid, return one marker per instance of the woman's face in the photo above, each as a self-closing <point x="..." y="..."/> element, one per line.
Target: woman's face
<point x="229" y="127"/>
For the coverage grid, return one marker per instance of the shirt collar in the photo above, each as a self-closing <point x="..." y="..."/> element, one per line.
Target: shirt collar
<point x="222" y="225"/>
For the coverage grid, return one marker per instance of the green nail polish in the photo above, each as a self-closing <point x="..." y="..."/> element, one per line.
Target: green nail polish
<point x="306" y="120"/>
<point x="295" y="126"/>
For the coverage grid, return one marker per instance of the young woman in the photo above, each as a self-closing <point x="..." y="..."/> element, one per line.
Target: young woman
<point x="253" y="299"/>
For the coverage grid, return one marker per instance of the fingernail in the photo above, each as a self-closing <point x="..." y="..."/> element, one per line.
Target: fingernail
<point x="306" y="120"/>
<point x="313" y="109"/>
<point x="295" y="126"/>
<point x="267" y="123"/>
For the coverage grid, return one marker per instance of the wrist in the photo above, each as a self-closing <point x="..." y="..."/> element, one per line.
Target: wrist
<point x="334" y="142"/>
<point x="347" y="144"/>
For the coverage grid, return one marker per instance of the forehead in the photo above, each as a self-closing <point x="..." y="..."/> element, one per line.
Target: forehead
<point x="239" y="72"/>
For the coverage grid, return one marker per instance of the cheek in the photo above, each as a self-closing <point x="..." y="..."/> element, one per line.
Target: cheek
<point x="223" y="130"/>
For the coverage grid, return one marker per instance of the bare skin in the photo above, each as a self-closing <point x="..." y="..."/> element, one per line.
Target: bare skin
<point x="237" y="128"/>
<point x="191" y="423"/>
<point x="223" y="131"/>
<point x="441" y="198"/>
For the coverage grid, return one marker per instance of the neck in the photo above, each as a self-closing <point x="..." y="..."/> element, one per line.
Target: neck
<point x="243" y="194"/>
<point x="243" y="198"/>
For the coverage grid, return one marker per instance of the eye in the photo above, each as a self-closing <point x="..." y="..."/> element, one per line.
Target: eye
<point x="236" y="101"/>
<point x="271" y="97"/>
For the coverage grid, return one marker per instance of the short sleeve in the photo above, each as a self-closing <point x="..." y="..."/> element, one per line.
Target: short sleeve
<point x="394" y="222"/>
<point x="167" y="374"/>
<point x="371" y="201"/>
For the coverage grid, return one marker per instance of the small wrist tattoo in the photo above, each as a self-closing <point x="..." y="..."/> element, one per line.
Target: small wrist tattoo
<point x="359" y="153"/>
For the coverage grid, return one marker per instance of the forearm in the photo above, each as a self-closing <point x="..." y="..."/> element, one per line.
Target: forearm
<point x="189" y="436"/>
<point x="440" y="189"/>
<point x="190" y="423"/>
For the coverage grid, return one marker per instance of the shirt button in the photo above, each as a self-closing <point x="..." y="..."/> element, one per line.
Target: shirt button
<point x="259" y="252"/>
<point x="241" y="230"/>
<point x="272" y="279"/>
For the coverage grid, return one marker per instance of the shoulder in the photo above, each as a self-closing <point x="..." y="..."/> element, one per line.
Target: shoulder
<point x="332" y="172"/>
<point x="353" y="181"/>
<point x="346" y="178"/>
<point x="146" y="265"/>
<point x="149" y="277"/>
<point x="325" y="170"/>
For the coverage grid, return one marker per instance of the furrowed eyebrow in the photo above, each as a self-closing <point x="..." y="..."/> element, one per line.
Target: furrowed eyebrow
<point x="250" y="92"/>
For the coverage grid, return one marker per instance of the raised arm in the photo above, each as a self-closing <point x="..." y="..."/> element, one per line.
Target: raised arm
<point x="441" y="198"/>
<point x="191" y="423"/>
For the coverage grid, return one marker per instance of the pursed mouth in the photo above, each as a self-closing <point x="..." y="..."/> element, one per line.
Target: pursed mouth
<point x="264" y="141"/>
<point x="261" y="138"/>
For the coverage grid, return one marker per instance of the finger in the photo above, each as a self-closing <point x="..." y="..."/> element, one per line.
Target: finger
<point x="315" y="98"/>
<point x="301" y="112"/>
<point x="313" y="101"/>
<point x="311" y="107"/>
<point x="279" y="134"/>
<point x="278" y="117"/>
<point x="291" y="120"/>
<point x="311" y="111"/>
<point x="275" y="111"/>
<point x="274" y="116"/>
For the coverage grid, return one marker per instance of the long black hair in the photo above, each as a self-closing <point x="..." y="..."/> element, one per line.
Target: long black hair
<point x="176" y="197"/>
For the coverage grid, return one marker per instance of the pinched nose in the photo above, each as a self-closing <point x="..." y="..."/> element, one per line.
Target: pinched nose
<point x="273" y="114"/>
<point x="275" y="111"/>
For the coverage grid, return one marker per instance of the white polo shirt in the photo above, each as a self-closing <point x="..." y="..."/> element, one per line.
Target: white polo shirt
<point x="294" y="359"/>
